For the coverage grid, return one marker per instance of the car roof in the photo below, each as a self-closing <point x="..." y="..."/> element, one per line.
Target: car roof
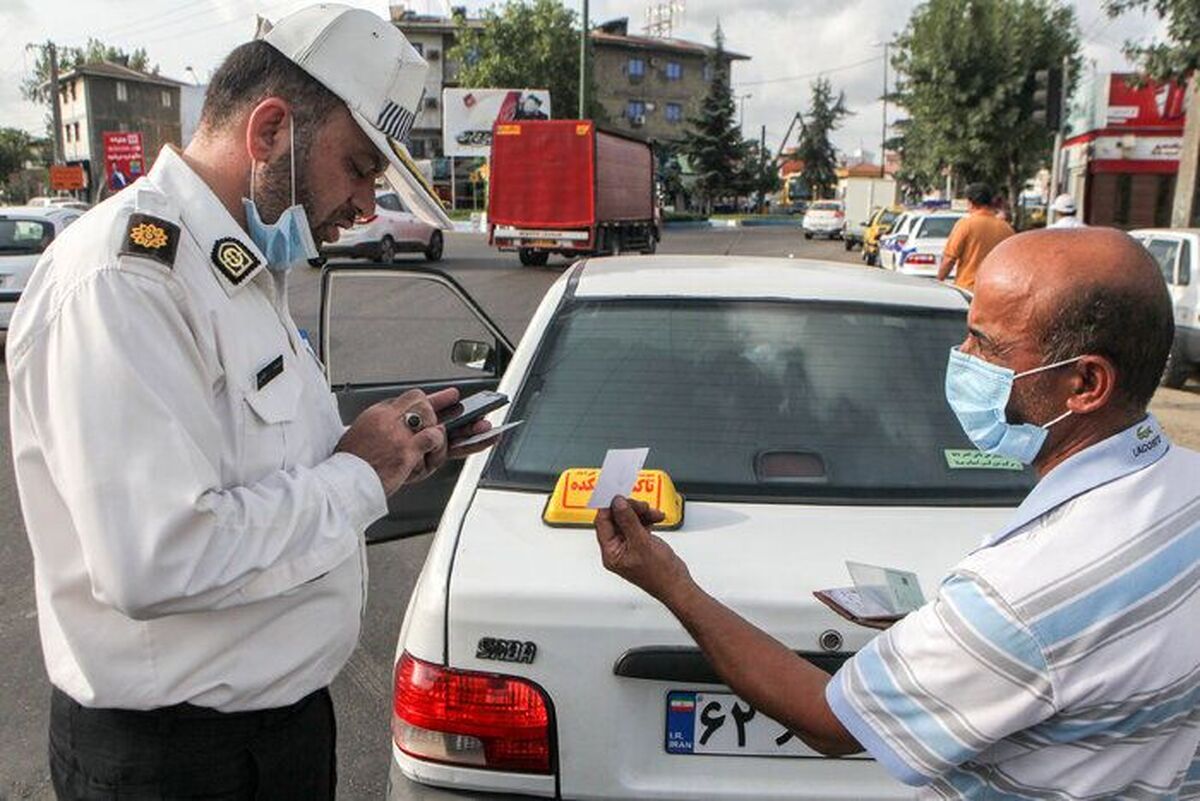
<point x="49" y="213"/>
<point x="1188" y="231"/>
<point x="744" y="277"/>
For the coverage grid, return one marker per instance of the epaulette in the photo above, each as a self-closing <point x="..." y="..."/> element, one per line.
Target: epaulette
<point x="150" y="237"/>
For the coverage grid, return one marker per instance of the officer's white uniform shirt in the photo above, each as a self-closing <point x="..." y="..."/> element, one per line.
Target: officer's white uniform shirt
<point x="1068" y="221"/>
<point x="195" y="539"/>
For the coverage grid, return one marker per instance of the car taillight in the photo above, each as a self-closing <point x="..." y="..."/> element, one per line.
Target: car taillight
<point x="365" y="220"/>
<point x="479" y="720"/>
<point x="919" y="258"/>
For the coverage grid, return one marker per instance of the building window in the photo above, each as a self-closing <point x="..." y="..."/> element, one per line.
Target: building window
<point x="122" y="92"/>
<point x="674" y="112"/>
<point x="67" y="128"/>
<point x="635" y="111"/>
<point x="708" y="71"/>
<point x="166" y="98"/>
<point x="674" y="71"/>
<point x="77" y="139"/>
<point x="636" y="68"/>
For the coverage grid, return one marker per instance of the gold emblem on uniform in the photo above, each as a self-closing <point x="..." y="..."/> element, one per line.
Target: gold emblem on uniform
<point x="149" y="236"/>
<point x="233" y="259"/>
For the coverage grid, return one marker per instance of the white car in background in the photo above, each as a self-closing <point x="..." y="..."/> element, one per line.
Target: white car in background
<point x="805" y="425"/>
<point x="921" y="253"/>
<point x="824" y="218"/>
<point x="1177" y="252"/>
<point x="25" y="232"/>
<point x="894" y="241"/>
<point x="390" y="231"/>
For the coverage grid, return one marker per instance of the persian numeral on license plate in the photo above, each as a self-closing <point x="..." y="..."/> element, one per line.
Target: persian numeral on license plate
<point x="722" y="723"/>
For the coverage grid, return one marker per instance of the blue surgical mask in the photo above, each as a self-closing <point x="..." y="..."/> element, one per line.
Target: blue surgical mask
<point x="978" y="392"/>
<point x="287" y="242"/>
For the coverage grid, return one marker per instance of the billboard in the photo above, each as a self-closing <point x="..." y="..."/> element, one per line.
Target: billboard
<point x="1114" y="101"/>
<point x="67" y="177"/>
<point x="124" y="159"/>
<point x="469" y="115"/>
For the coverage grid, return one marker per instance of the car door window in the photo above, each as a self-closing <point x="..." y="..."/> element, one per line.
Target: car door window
<point x="1165" y="253"/>
<point x="1185" y="263"/>
<point x="389" y="202"/>
<point x="381" y="326"/>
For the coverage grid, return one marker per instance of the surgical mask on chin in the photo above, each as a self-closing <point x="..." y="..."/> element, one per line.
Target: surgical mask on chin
<point x="978" y="393"/>
<point x="288" y="241"/>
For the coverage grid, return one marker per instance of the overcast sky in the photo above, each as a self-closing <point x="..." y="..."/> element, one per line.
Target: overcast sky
<point x="791" y="41"/>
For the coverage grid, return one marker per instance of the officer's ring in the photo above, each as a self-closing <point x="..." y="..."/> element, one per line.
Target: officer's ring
<point x="413" y="421"/>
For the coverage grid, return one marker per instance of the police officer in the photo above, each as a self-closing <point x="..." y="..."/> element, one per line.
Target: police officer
<point x="194" y="504"/>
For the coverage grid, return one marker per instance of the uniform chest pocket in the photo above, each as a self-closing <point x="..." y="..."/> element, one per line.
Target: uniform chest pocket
<point x="270" y="431"/>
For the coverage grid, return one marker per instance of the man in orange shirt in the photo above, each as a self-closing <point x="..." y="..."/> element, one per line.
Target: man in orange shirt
<point x="973" y="237"/>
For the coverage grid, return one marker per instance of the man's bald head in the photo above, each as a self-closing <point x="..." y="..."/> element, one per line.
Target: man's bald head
<point x="1088" y="291"/>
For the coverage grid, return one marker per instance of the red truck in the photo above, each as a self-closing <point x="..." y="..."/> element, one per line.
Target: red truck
<point x="563" y="186"/>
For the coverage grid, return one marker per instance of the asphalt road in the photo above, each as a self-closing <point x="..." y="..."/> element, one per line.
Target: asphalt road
<point x="509" y="294"/>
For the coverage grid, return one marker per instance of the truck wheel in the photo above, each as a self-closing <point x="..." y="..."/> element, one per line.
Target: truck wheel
<point x="807" y="235"/>
<point x="651" y="246"/>
<point x="849" y="243"/>
<point x="1176" y="373"/>
<point x="533" y="258"/>
<point x="872" y="259"/>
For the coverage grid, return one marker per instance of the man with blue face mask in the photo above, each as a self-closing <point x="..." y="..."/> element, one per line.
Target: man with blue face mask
<point x="1060" y="659"/>
<point x="194" y="504"/>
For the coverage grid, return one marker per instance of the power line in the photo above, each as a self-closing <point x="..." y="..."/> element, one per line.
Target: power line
<point x="816" y="74"/>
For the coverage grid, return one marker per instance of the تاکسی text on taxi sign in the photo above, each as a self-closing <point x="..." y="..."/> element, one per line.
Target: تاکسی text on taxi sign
<point x="567" y="505"/>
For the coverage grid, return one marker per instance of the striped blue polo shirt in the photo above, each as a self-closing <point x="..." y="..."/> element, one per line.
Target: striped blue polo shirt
<point x="1061" y="660"/>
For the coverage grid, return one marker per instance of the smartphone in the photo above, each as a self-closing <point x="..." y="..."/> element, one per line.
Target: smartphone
<point x="471" y="409"/>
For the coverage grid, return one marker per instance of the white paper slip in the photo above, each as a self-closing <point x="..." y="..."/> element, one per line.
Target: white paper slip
<point x="486" y="436"/>
<point x="618" y="474"/>
<point x="853" y="602"/>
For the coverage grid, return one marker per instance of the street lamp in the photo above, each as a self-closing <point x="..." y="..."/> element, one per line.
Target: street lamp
<point x="742" y="114"/>
<point x="883" y="134"/>
<point x="191" y="71"/>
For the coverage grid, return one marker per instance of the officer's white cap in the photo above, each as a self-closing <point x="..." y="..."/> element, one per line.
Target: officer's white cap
<point x="1064" y="204"/>
<point x="369" y="64"/>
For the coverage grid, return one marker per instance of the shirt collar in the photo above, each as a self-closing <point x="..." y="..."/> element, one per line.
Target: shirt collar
<point x="1133" y="449"/>
<point x="206" y="219"/>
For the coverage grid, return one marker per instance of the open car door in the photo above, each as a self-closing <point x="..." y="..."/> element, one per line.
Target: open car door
<point x="386" y="330"/>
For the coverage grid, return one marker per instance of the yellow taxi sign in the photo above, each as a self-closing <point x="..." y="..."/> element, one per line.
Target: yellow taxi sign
<point x="508" y="130"/>
<point x="567" y="506"/>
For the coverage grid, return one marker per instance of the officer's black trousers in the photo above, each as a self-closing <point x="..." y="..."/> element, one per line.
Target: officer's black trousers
<point x="187" y="752"/>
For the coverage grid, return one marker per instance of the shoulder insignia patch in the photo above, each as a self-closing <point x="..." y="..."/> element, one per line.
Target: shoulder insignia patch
<point x="152" y="238"/>
<point x="233" y="259"/>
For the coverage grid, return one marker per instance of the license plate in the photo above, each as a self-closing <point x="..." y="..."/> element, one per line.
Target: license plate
<point x="722" y="723"/>
<point x="543" y="243"/>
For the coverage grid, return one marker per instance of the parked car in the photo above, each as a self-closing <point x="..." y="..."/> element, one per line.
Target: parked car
<point x="1177" y="251"/>
<point x="805" y="425"/>
<point x="61" y="201"/>
<point x="893" y="242"/>
<point x="881" y="223"/>
<point x="390" y="231"/>
<point x="824" y="218"/>
<point x="25" y="232"/>
<point x="921" y="253"/>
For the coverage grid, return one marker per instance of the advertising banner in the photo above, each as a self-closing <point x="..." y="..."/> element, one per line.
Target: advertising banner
<point x="469" y="115"/>
<point x="67" y="177"/>
<point x="124" y="159"/>
<point x="1151" y="105"/>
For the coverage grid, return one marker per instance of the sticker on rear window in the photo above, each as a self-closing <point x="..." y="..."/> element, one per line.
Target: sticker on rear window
<point x="978" y="460"/>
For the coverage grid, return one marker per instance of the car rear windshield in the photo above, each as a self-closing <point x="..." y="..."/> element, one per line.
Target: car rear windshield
<point x="827" y="206"/>
<point x="888" y="217"/>
<point x="23" y="237"/>
<point x="936" y="227"/>
<point x="754" y="400"/>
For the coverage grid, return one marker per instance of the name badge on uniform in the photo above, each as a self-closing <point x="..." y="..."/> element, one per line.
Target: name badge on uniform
<point x="270" y="372"/>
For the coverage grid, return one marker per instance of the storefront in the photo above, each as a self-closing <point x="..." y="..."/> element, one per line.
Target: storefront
<point x="1122" y="151"/>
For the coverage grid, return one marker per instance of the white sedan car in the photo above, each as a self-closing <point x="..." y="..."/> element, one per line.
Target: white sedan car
<point x="921" y="253"/>
<point x="893" y="242"/>
<point x="390" y="231"/>
<point x="797" y="407"/>
<point x="824" y="218"/>
<point x="26" y="231"/>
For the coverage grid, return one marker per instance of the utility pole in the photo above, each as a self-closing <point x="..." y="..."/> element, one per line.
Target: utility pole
<point x="583" y="63"/>
<point x="762" y="169"/>
<point x="883" y="135"/>
<point x="1185" y="210"/>
<point x="1056" y="163"/>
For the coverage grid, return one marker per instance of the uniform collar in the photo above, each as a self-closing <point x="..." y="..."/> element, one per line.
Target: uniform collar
<point x="208" y="221"/>
<point x="1133" y="449"/>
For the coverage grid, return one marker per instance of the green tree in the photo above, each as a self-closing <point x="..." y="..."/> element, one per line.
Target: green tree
<point x="815" y="149"/>
<point x="35" y="88"/>
<point x="16" y="147"/>
<point x="1176" y="58"/>
<point x="966" y="78"/>
<point x="713" y="140"/>
<point x="522" y="45"/>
